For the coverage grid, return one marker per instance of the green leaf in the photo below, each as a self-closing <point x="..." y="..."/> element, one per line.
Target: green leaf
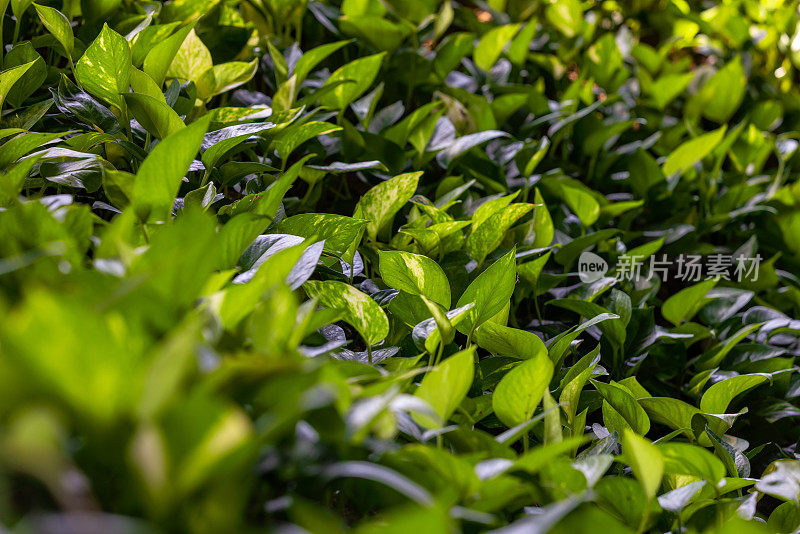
<point x="70" y="355"/>
<point x="506" y="341"/>
<point x="645" y="460"/>
<point x="23" y="144"/>
<point x="292" y="137"/>
<point x="362" y="7"/>
<point x="159" y="58"/>
<point x="553" y="432"/>
<point x="221" y="78"/>
<point x="217" y="143"/>
<point x="668" y="87"/>
<point x="736" y="463"/>
<point x="381" y="33"/>
<point x="341" y="234"/>
<point x="449" y="54"/>
<point x="685" y="303"/>
<point x="670" y="412"/>
<point x="437" y="329"/>
<point x="686" y="459"/>
<point x="358" y="75"/>
<point x="568" y="253"/>
<point x="692" y="151"/>
<point x="540" y="457"/>
<point x="190" y="62"/>
<point x="254" y="213"/>
<point x="380" y="204"/>
<point x="574" y="382"/>
<point x="566" y="16"/>
<point x="722" y="95"/>
<point x="281" y="67"/>
<point x="118" y="187"/>
<point x="598" y="139"/>
<point x="491" y="45"/>
<point x="487" y="236"/>
<point x="465" y="143"/>
<point x="73" y="102"/>
<point x="531" y="271"/>
<point x="152" y="35"/>
<point x="312" y="58"/>
<point x="19" y="7"/>
<point x="615" y="330"/>
<point x="160" y="174"/>
<point x="559" y="345"/>
<point x="12" y="182"/>
<point x="142" y="83"/>
<point x="645" y="172"/>
<point x="156" y="116"/>
<point x="400" y="132"/>
<point x="643" y="252"/>
<point x="57" y="24"/>
<point x="415" y="274"/>
<point x="677" y="499"/>
<point x="604" y="61"/>
<point x="490" y="291"/>
<point x="242" y="298"/>
<point x="519" y="392"/>
<point x="97" y="10"/>
<point x="10" y="77"/>
<point x="359" y="310"/>
<point x="490" y="207"/>
<point x="82" y="173"/>
<point x="542" y="223"/>
<point x="785" y="518"/>
<point x="32" y="79"/>
<point x="782" y="480"/>
<point x="581" y="203"/>
<point x="104" y="69"/>
<point x="445" y="386"/>
<point x="520" y="45"/>
<point x="716" y="356"/>
<point x="717" y="397"/>
<point x="619" y="399"/>
<point x="444" y="327"/>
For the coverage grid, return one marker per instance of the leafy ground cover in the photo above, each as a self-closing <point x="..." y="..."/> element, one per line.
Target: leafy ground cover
<point x="399" y="266"/>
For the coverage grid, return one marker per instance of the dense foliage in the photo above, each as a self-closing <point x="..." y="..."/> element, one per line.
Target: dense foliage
<point x="271" y="264"/>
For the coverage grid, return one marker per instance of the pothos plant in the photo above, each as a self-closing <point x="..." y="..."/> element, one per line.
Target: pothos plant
<point x="324" y="265"/>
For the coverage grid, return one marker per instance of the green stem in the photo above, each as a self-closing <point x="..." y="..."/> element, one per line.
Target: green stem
<point x="526" y="189"/>
<point x="206" y="176"/>
<point x="308" y="193"/>
<point x="145" y="233"/>
<point x="439" y="352"/>
<point x="412" y="76"/>
<point x="645" y="517"/>
<point x="16" y="33"/>
<point x="126" y="121"/>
